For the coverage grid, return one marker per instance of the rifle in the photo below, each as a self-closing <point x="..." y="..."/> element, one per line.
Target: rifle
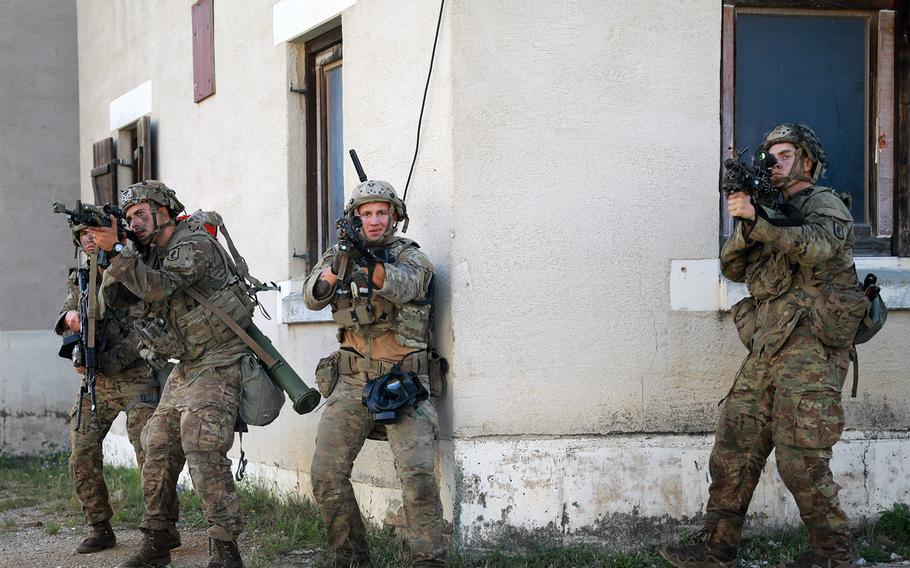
<point x="83" y="349"/>
<point x="755" y="180"/>
<point x="347" y="232"/>
<point x="96" y="216"/>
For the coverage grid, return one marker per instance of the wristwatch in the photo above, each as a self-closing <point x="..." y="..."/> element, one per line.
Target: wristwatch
<point x="117" y="249"/>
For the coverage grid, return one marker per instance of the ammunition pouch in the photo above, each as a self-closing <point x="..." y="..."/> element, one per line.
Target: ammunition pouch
<point x="837" y="313"/>
<point x="412" y="325"/>
<point x="744" y="317"/>
<point x="198" y="329"/>
<point x="361" y="314"/>
<point x="160" y="339"/>
<point x="200" y="326"/>
<point x="327" y="374"/>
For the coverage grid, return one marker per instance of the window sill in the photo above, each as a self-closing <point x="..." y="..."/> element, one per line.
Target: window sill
<point x="696" y="285"/>
<point x="291" y="308"/>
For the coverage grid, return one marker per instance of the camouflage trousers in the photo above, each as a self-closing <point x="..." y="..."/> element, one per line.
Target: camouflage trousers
<point x="135" y="392"/>
<point x="343" y="429"/>
<point x="790" y="402"/>
<point x="194" y="424"/>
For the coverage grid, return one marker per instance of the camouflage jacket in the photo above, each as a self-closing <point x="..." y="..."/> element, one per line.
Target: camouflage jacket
<point x="160" y="276"/>
<point x="118" y="338"/>
<point x="395" y="320"/>
<point x="785" y="267"/>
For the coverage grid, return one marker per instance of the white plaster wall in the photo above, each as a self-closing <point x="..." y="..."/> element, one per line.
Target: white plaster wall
<point x="626" y="491"/>
<point x="585" y="143"/>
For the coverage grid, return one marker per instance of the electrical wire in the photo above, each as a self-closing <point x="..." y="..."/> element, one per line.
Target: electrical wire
<point x="423" y="104"/>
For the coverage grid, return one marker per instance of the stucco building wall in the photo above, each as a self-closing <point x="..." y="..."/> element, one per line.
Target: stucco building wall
<point x="39" y="125"/>
<point x="568" y="157"/>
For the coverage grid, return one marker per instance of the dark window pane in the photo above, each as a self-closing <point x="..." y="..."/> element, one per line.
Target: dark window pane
<point x="335" y="142"/>
<point x="812" y="70"/>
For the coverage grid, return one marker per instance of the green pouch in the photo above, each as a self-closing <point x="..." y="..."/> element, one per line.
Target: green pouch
<point x="837" y="314"/>
<point x="327" y="374"/>
<point x="744" y="318"/>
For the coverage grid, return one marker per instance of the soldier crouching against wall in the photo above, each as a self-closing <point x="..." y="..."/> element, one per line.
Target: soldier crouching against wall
<point x="383" y="311"/>
<point x="798" y="325"/>
<point x="199" y="406"/>
<point x="126" y="383"/>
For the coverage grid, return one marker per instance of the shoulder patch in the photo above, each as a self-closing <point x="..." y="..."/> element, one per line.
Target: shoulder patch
<point x="173" y="254"/>
<point x="838" y="230"/>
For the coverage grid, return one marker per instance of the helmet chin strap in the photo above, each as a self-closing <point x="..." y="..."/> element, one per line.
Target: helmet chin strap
<point x="156" y="228"/>
<point x="794" y="175"/>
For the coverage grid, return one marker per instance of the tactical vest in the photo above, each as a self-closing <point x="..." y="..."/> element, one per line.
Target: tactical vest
<point x="185" y="329"/>
<point x="370" y="315"/>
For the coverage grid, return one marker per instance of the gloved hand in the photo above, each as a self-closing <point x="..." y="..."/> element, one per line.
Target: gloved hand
<point x="155" y="360"/>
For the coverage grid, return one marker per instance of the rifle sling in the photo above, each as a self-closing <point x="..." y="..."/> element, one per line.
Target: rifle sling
<point x="266" y="359"/>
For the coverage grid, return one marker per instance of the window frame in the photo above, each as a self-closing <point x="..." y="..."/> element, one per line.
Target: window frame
<point x="324" y="50"/>
<point x="886" y="181"/>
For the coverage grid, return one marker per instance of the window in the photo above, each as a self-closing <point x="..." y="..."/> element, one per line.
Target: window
<point x="324" y="141"/>
<point x="117" y="164"/>
<point x="837" y="70"/>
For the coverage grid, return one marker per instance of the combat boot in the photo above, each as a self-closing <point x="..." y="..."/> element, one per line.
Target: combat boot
<point x="809" y="560"/>
<point x="173" y="538"/>
<point x="102" y="537"/>
<point x="700" y="552"/>
<point x="153" y="552"/>
<point x="224" y="554"/>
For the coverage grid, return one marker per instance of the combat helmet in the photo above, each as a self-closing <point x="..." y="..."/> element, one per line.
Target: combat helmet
<point x="156" y="192"/>
<point x="371" y="191"/>
<point x="151" y="190"/>
<point x="807" y="144"/>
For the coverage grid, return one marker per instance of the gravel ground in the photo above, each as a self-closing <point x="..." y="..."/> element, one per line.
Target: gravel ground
<point x="25" y="542"/>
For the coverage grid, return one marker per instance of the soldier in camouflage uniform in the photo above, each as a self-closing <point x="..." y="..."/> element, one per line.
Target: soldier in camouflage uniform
<point x="798" y="325"/>
<point x="386" y="322"/>
<point x="195" y="419"/>
<point x="125" y="383"/>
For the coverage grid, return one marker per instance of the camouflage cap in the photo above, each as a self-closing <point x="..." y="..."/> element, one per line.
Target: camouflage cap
<point x="803" y="138"/>
<point x="371" y="191"/>
<point x="150" y="190"/>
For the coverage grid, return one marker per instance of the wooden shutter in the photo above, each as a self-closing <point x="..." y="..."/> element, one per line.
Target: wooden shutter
<point x="203" y="49"/>
<point x="104" y="172"/>
<point x="142" y="155"/>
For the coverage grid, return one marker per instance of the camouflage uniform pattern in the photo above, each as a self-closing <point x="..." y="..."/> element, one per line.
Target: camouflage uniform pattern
<point x="126" y="384"/>
<point x="787" y="394"/>
<point x="346" y="424"/>
<point x="194" y="422"/>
